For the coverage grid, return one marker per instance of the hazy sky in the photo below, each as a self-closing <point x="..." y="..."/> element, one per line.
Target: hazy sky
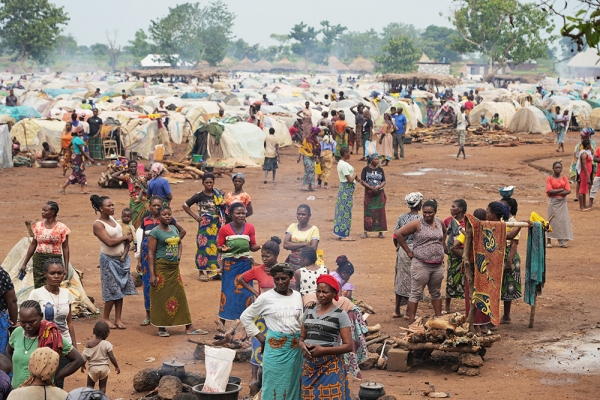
<point x="255" y="20"/>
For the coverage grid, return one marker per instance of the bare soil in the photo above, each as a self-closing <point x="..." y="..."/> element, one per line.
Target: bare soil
<point x="536" y="363"/>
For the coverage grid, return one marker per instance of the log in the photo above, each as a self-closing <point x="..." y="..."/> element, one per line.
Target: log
<point x="437" y="346"/>
<point x="378" y="340"/>
<point x="372" y="336"/>
<point x="194" y="170"/>
<point x="373" y="329"/>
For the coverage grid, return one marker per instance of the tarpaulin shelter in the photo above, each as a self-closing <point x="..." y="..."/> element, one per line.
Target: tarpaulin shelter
<point x="529" y="119"/>
<point x="506" y="111"/>
<point x="31" y="133"/>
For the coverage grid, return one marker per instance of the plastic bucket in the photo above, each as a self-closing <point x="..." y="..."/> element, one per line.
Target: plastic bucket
<point x="232" y="379"/>
<point x="231" y="392"/>
<point x="197" y="158"/>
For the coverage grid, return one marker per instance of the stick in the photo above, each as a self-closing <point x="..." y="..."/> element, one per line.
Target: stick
<point x="29" y="230"/>
<point x="437" y="346"/>
<point x="532" y="314"/>
<point x="377" y="340"/>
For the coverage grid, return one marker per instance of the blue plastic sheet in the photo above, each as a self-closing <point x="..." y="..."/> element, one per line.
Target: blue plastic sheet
<point x="58" y="92"/>
<point x="20" y="112"/>
<point x="194" y="95"/>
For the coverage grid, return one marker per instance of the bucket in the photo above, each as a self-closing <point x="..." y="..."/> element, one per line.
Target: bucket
<point x="197" y="158"/>
<point x="159" y="152"/>
<point x="231" y="393"/>
<point x="232" y="379"/>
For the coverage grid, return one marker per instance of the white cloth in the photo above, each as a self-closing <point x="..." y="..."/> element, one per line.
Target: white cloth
<point x="270" y="150"/>
<point x="462" y="123"/>
<point x="114" y="233"/>
<point x="55" y="308"/>
<point x="281" y="313"/>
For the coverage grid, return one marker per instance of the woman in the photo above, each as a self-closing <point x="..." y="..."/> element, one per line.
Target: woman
<point x="35" y="333"/>
<point x="586" y="133"/>
<point x="114" y="274"/>
<point x="235" y="242"/>
<point x="367" y="131"/>
<point x="168" y="302"/>
<point x="143" y="266"/>
<point x="585" y="172"/>
<point x="77" y="164"/>
<point x="282" y="309"/>
<point x="8" y="309"/>
<point x="210" y="216"/>
<point x="427" y="258"/>
<point x="50" y="240"/>
<point x="373" y="180"/>
<point x="342" y="220"/>
<point x="159" y="186"/>
<point x="310" y="151"/>
<point x="55" y="303"/>
<point x="323" y="325"/>
<point x="562" y="124"/>
<point x="306" y="115"/>
<point x="65" y="147"/>
<point x="557" y="190"/>
<point x="340" y="134"/>
<point x="260" y="274"/>
<point x="328" y="146"/>
<point x="238" y="195"/>
<point x="430" y="112"/>
<point x="455" y="279"/>
<point x="446" y="115"/>
<point x="137" y="185"/>
<point x="385" y="147"/>
<point x="299" y="235"/>
<point x="414" y="202"/>
<point x="42" y="366"/>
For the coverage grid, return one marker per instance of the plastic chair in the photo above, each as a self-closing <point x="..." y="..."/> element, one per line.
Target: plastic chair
<point x="110" y="149"/>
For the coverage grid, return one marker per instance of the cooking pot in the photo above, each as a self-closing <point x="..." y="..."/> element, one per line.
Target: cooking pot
<point x="371" y="391"/>
<point x="173" y="368"/>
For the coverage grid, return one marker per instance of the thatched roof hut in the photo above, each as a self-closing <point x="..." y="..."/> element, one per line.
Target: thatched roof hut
<point x="500" y="78"/>
<point x="361" y="64"/>
<point x="424" y="58"/>
<point x="202" y="75"/>
<point x="419" y="79"/>
<point x="227" y="62"/>
<point x="336" y="65"/>
<point x="245" y="65"/>
<point x="263" y="65"/>
<point x="284" y="65"/>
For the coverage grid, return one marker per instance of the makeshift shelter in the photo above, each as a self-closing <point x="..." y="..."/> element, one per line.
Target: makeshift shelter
<point x="585" y="63"/>
<point x="227" y="62"/>
<point x="500" y="79"/>
<point x="530" y="119"/>
<point x="595" y="119"/>
<point x="336" y="65"/>
<point x="241" y="140"/>
<point x="31" y="133"/>
<point x="361" y="65"/>
<point x="263" y="66"/>
<point x="245" y="65"/>
<point x="6" y="148"/>
<point x="419" y="79"/>
<point x="506" y="111"/>
<point x="201" y="75"/>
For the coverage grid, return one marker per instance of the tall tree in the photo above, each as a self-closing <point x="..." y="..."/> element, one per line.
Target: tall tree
<point x="306" y="45"/>
<point x="66" y="45"/>
<point x="502" y="30"/>
<point x="139" y="47"/>
<point x="114" y="50"/>
<point x="352" y="44"/>
<point x="331" y="35"/>
<point x="29" y="29"/>
<point x="581" y="29"/>
<point x="436" y="42"/>
<point x="401" y="55"/>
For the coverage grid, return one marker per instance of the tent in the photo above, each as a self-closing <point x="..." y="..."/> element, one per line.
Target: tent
<point x="489" y="108"/>
<point x="529" y="119"/>
<point x="31" y="133"/>
<point x="6" y="148"/>
<point x="239" y="140"/>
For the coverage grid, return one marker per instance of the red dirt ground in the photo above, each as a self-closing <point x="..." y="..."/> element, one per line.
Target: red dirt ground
<point x="565" y="309"/>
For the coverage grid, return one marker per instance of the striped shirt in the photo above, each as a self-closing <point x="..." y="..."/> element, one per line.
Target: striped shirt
<point x="324" y="330"/>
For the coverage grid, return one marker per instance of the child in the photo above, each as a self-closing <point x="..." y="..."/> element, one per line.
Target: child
<point x="342" y="274"/>
<point x="97" y="352"/>
<point x="306" y="276"/>
<point x="271" y="154"/>
<point x="125" y="222"/>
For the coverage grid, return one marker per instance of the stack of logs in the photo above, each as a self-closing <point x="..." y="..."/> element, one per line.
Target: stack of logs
<point x="183" y="170"/>
<point x="446" y="134"/>
<point x="234" y="337"/>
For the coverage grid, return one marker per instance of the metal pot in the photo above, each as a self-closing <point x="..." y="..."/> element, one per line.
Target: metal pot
<point x="173" y="368"/>
<point x="371" y="391"/>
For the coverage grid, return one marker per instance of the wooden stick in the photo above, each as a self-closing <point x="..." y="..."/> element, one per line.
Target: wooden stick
<point x="377" y="340"/>
<point x="29" y="230"/>
<point x="437" y="346"/>
<point x="532" y="314"/>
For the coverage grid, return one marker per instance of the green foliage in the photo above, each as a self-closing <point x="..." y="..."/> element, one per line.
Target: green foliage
<point x="401" y="55"/>
<point x="351" y="44"/>
<point x="139" y="47"/>
<point x="29" y="29"/>
<point x="99" y="50"/>
<point x="581" y="29"/>
<point x="502" y="29"/>
<point x="436" y="42"/>
<point x="306" y="42"/>
<point x="66" y="45"/>
<point x="191" y="33"/>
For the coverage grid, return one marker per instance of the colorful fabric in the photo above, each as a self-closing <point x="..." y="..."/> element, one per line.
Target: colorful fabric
<point x="326" y="165"/>
<point x="511" y="281"/>
<point x="115" y="278"/>
<point x="239" y="243"/>
<point x="374" y="211"/>
<point x="358" y="327"/>
<point x="342" y="220"/>
<point x="257" y="355"/>
<point x="50" y="240"/>
<point x="167" y="243"/>
<point x="49" y="336"/>
<point x="95" y="143"/>
<point x="234" y="298"/>
<point x="309" y="170"/>
<point x="535" y="263"/>
<point x="145" y="272"/>
<point x="455" y="279"/>
<point x="67" y="158"/>
<point x="489" y="241"/>
<point x="136" y="184"/>
<point x="576" y="153"/>
<point x="38" y="261"/>
<point x="430" y="114"/>
<point x="168" y="302"/>
<point x="4" y="330"/>
<point x="138" y="210"/>
<point x="402" y="276"/>
<point x="231" y="198"/>
<point x="325" y="378"/>
<point x="77" y="176"/>
<point x="207" y="256"/>
<point x="282" y="354"/>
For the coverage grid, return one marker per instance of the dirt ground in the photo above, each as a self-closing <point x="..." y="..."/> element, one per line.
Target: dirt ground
<point x="556" y="359"/>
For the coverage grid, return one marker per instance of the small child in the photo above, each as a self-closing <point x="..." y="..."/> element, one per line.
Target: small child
<point x="271" y="154"/>
<point x="306" y="276"/>
<point x="97" y="352"/>
<point x="125" y="222"/>
<point x="342" y="274"/>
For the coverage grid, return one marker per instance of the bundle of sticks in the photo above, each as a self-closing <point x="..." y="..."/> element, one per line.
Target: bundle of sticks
<point x="446" y="134"/>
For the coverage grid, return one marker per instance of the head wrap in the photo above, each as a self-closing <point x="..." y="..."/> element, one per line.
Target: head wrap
<point x="43" y="364"/>
<point x="413" y="199"/>
<point x="315" y="130"/>
<point x="586" y="132"/>
<point x="156" y="169"/>
<point x="282" y="267"/>
<point x="372" y="157"/>
<point x="332" y="282"/>
<point x="238" y="175"/>
<point x="500" y="209"/>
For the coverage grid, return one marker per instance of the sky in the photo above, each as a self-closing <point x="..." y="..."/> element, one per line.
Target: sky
<point x="255" y="20"/>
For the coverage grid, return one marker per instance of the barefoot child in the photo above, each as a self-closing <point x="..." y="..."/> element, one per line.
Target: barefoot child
<point x="125" y="222"/>
<point x="271" y="154"/>
<point x="97" y="352"/>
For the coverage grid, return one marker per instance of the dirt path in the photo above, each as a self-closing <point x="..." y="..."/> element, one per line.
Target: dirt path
<point x="525" y="364"/>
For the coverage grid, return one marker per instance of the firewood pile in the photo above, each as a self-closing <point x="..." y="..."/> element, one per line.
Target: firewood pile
<point x="183" y="170"/>
<point x="234" y="337"/>
<point x="446" y="134"/>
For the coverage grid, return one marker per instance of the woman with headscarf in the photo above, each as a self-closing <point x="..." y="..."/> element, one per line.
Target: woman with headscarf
<point x="366" y="132"/>
<point x="385" y="147"/>
<point x="557" y="190"/>
<point x="238" y="195"/>
<point x="66" y="150"/>
<point x="455" y="279"/>
<point x="342" y="219"/>
<point x="282" y="310"/>
<point x="137" y="186"/>
<point x="328" y="146"/>
<point x="586" y="133"/>
<point x="323" y="325"/>
<point x="309" y="151"/>
<point x="77" y="176"/>
<point x="42" y="366"/>
<point x="402" y="278"/>
<point x="373" y="180"/>
<point x="306" y="115"/>
<point x="158" y="185"/>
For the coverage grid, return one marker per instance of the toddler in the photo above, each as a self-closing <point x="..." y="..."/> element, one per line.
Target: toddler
<point x="125" y="222"/>
<point x="342" y="274"/>
<point x="98" y="352"/>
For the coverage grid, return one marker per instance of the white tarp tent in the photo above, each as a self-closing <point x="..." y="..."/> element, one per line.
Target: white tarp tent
<point x="505" y="110"/>
<point x="31" y="133"/>
<point x="238" y="140"/>
<point x="529" y="119"/>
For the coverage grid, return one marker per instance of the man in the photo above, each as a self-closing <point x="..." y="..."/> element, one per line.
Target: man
<point x="235" y="89"/>
<point x="221" y="113"/>
<point x="95" y="136"/>
<point x="400" y="121"/>
<point x="326" y="101"/>
<point x="325" y="118"/>
<point x="85" y="105"/>
<point x="265" y="99"/>
<point x="359" y="120"/>
<point x="484" y="122"/>
<point x="11" y="99"/>
<point x="247" y="100"/>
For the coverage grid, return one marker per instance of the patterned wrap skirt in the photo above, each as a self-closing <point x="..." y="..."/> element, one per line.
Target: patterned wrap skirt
<point x="207" y="256"/>
<point x="325" y="378"/>
<point x="511" y="280"/>
<point x="234" y="298"/>
<point x="282" y="367"/>
<point x="455" y="279"/>
<point x="402" y="277"/>
<point x="326" y="165"/>
<point x="115" y="278"/>
<point x="168" y="302"/>
<point x="374" y="211"/>
<point x="342" y="220"/>
<point x="309" y="170"/>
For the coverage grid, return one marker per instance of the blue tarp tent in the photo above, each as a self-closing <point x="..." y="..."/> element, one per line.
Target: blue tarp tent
<point x="194" y="95"/>
<point x="20" y="112"/>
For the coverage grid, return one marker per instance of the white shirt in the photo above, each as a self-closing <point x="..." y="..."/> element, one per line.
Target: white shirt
<point x="55" y="308"/>
<point x="281" y="313"/>
<point x="270" y="150"/>
<point x="462" y="125"/>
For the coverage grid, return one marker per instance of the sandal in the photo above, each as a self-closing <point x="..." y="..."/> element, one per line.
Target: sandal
<point x="121" y="327"/>
<point x="203" y="278"/>
<point x="145" y="322"/>
<point x="163" y="333"/>
<point x="197" y="332"/>
<point x="394" y="315"/>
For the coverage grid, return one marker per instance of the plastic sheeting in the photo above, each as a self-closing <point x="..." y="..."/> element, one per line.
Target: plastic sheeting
<point x="193" y="95"/>
<point x="489" y="108"/>
<point x="239" y="140"/>
<point x="20" y="112"/>
<point x="529" y="119"/>
<point x="58" y="92"/>
<point x="31" y="133"/>
<point x="5" y="148"/>
<point x="282" y="132"/>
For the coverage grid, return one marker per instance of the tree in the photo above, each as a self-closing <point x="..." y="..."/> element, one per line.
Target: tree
<point x="29" y="29"/>
<point x="582" y="29"/>
<point x="331" y="35"/>
<point x="306" y="45"/>
<point x="396" y="29"/>
<point x="66" y="45"/>
<point x="502" y="30"/>
<point x="436" y="42"/>
<point x="99" y="50"/>
<point x="352" y="44"/>
<point x="114" y="50"/>
<point x="139" y="47"/>
<point x="401" y="55"/>
<point x="191" y="33"/>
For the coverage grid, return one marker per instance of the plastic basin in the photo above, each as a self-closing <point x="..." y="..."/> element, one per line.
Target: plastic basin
<point x="197" y="158"/>
<point x="231" y="393"/>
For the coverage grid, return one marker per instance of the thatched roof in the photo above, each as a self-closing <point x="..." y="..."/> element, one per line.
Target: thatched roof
<point x="263" y="65"/>
<point x="361" y="64"/>
<point x="424" y="59"/>
<point x="420" y="79"/>
<point x="517" y="78"/>
<point x="336" y="64"/>
<point x="284" y="64"/>
<point x="245" y="65"/>
<point x="202" y="75"/>
<point x="227" y="62"/>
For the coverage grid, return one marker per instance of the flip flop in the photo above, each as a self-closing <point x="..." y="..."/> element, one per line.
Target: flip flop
<point x="163" y="333"/>
<point x="394" y="315"/>
<point x="197" y="332"/>
<point x="121" y="327"/>
<point x="113" y="327"/>
<point x="505" y="322"/>
<point x="145" y="322"/>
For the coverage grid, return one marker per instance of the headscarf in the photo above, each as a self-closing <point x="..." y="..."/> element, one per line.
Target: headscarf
<point x="43" y="364"/>
<point x="500" y="209"/>
<point x="282" y="267"/>
<point x="413" y="199"/>
<point x="238" y="175"/>
<point x="371" y="157"/>
<point x="49" y="336"/>
<point x="156" y="169"/>
<point x="587" y="132"/>
<point x="387" y="117"/>
<point x="332" y="282"/>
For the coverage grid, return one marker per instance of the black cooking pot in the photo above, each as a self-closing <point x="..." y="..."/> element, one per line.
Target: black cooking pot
<point x="371" y="391"/>
<point x="173" y="368"/>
